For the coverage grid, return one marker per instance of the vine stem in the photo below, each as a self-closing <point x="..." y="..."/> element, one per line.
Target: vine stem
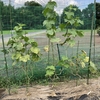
<point x="52" y="52"/>
<point x="77" y="65"/>
<point x="27" y="78"/>
<point x="58" y="52"/>
<point x="48" y="51"/>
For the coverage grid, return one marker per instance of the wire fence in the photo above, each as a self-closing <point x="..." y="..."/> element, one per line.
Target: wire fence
<point x="35" y="21"/>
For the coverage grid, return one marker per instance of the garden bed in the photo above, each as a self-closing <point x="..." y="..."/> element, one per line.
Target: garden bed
<point x="57" y="91"/>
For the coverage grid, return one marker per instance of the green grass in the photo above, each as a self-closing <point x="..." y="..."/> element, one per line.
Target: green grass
<point x="36" y="30"/>
<point x="9" y="31"/>
<point x="6" y="32"/>
<point x="87" y="30"/>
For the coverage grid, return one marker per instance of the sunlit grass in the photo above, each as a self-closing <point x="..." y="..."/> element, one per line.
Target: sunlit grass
<point x="9" y="31"/>
<point x="85" y="30"/>
<point x="37" y="30"/>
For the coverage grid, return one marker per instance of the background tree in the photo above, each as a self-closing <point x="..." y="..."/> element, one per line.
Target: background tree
<point x="87" y="16"/>
<point x="97" y="14"/>
<point x="36" y="15"/>
<point x="29" y="14"/>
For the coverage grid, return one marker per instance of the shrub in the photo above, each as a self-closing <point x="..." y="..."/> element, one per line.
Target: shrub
<point x="98" y="31"/>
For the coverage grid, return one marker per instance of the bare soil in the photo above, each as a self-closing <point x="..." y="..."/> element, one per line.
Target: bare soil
<point x="57" y="91"/>
<point x="42" y="39"/>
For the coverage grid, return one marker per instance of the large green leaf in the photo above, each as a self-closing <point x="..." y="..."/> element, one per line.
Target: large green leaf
<point x="19" y="46"/>
<point x="80" y="22"/>
<point x="69" y="14"/>
<point x="49" y="73"/>
<point x="64" y="58"/>
<point x="71" y="43"/>
<point x="21" y="25"/>
<point x="92" y="68"/>
<point x="51" y="4"/>
<point x="71" y="8"/>
<point x="35" y="50"/>
<point x="73" y="32"/>
<point x="64" y="64"/>
<point x="71" y="22"/>
<point x="31" y="41"/>
<point x="16" y="55"/>
<point x="82" y="64"/>
<point x="48" y="22"/>
<point x="17" y="28"/>
<point x="45" y="11"/>
<point x="62" y="26"/>
<point x="11" y="41"/>
<point x="50" y="32"/>
<point x="24" y="58"/>
<point x="80" y="33"/>
<point x="35" y="57"/>
<point x="50" y="68"/>
<point x="25" y="38"/>
<point x="48" y="14"/>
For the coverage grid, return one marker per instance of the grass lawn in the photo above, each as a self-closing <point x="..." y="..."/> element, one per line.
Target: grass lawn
<point x="9" y="31"/>
<point x="86" y="30"/>
<point x="36" y="30"/>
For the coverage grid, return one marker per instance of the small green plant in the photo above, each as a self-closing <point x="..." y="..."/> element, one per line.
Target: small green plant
<point x="23" y="49"/>
<point x="14" y="89"/>
<point x="50" y="71"/>
<point x="76" y="63"/>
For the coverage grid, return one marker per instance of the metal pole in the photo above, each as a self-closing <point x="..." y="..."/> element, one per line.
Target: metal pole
<point x="91" y="36"/>
<point x="94" y="26"/>
<point x="58" y="52"/>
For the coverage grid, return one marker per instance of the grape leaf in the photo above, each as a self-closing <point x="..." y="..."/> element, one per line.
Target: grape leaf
<point x="35" y="50"/>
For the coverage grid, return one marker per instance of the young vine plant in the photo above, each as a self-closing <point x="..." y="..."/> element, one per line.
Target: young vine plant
<point x="50" y="24"/>
<point x="22" y="47"/>
<point x="70" y="24"/>
<point x="23" y="50"/>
